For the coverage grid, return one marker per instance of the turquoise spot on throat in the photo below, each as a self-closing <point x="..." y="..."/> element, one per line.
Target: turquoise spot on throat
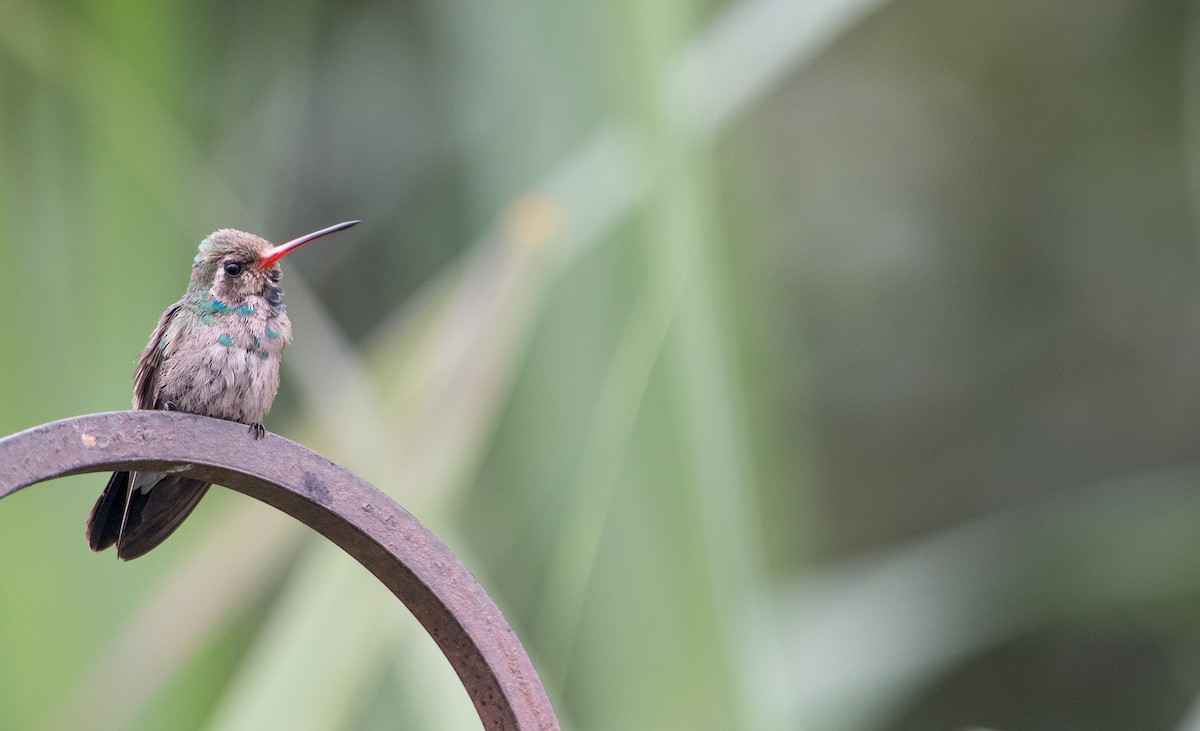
<point x="225" y="340"/>
<point x="216" y="307"/>
<point x="245" y="310"/>
<point x="271" y="334"/>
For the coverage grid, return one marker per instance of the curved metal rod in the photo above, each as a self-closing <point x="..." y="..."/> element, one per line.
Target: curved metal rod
<point x="370" y="526"/>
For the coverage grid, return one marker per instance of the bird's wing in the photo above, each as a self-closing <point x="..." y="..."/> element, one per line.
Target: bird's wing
<point x="109" y="521"/>
<point x="145" y="378"/>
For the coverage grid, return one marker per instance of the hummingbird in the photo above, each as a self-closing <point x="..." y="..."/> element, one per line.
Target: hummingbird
<point x="215" y="353"/>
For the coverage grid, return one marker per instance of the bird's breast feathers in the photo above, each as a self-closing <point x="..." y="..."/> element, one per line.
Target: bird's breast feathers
<point x="223" y="361"/>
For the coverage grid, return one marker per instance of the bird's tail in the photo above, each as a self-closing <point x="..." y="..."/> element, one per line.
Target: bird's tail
<point x="104" y="523"/>
<point x="138" y="519"/>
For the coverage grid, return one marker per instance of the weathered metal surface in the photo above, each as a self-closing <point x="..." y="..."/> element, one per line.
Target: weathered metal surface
<point x="367" y="524"/>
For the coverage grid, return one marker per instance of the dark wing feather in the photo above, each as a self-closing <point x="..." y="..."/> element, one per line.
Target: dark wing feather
<point x="104" y="522"/>
<point x="145" y="378"/>
<point x="155" y="514"/>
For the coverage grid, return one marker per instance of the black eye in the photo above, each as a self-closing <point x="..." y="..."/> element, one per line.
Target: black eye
<point x="233" y="268"/>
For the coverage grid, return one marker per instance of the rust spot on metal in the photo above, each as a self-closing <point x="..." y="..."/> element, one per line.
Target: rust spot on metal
<point x="92" y="441"/>
<point x="438" y="590"/>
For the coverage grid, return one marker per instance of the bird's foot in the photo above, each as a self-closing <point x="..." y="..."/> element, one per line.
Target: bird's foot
<point x="258" y="430"/>
<point x="169" y="406"/>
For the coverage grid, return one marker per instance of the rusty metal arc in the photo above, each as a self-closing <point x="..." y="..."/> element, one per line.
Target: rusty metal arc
<point x="435" y="586"/>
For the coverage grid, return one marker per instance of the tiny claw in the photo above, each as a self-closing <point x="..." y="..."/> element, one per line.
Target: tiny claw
<point x="258" y="430"/>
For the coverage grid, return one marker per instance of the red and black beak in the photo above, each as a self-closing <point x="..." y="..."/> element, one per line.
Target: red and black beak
<point x="276" y="253"/>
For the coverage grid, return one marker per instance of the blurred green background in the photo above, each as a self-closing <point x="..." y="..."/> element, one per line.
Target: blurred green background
<point x="824" y="364"/>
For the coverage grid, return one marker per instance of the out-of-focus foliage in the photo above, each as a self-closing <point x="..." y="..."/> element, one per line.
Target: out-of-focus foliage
<point x="827" y="364"/>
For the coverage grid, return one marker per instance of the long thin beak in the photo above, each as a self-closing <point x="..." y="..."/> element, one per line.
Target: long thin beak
<point x="275" y="254"/>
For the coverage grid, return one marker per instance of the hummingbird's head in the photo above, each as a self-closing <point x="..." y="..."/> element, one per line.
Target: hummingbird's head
<point x="235" y="267"/>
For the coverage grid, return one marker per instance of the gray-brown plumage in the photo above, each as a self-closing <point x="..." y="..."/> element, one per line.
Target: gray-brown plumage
<point x="216" y="353"/>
